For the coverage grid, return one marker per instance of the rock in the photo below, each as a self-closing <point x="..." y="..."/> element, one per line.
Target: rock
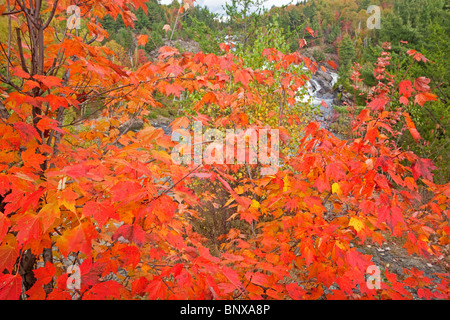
<point x="323" y="84"/>
<point x="326" y="95"/>
<point x="324" y="76"/>
<point x="135" y="125"/>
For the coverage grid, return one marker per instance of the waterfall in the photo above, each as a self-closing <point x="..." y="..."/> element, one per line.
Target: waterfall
<point x="317" y="92"/>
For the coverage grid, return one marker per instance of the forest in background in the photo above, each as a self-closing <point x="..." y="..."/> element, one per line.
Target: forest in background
<point x="340" y="33"/>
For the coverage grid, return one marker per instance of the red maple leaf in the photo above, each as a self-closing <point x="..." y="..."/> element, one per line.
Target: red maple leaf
<point x="242" y="76"/>
<point x="174" y="89"/>
<point x="411" y="127"/>
<point x="29" y="227"/>
<point x="423" y="168"/>
<point x="322" y="184"/>
<point x="174" y="69"/>
<point x="48" y="81"/>
<point x="421" y="84"/>
<point x="45" y="274"/>
<point x="142" y="40"/>
<point x="4" y="226"/>
<point x="156" y="289"/>
<point x="132" y="233"/>
<point x="100" y="211"/>
<point x="405" y="88"/>
<point x="8" y="257"/>
<point x="130" y="255"/>
<point x="295" y="292"/>
<point x="335" y="170"/>
<point x="27" y="131"/>
<point x="423" y="97"/>
<point x="377" y="104"/>
<point x="332" y="64"/>
<point x="310" y="31"/>
<point x="77" y="239"/>
<point x="166" y="51"/>
<point x="138" y="286"/>
<point x="10" y="287"/>
<point x="104" y="290"/>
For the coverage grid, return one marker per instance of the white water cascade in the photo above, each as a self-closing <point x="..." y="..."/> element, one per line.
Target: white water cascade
<point x="317" y="92"/>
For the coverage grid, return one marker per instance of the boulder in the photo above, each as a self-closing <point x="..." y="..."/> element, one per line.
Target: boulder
<point x="324" y="76"/>
<point x="326" y="95"/>
<point x="132" y="125"/>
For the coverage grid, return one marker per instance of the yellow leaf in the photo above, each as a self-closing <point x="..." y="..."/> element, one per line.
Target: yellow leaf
<point x="335" y="188"/>
<point x="48" y="214"/>
<point x="286" y="184"/>
<point x="255" y="204"/>
<point x="341" y="245"/>
<point x="69" y="205"/>
<point x="356" y="223"/>
<point x="239" y="189"/>
<point x="68" y="199"/>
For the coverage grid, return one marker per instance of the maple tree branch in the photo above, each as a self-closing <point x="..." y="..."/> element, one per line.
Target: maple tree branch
<point x="52" y="14"/>
<point x="438" y="86"/>
<point x="7" y="55"/>
<point x="55" y="60"/>
<point x="75" y="122"/>
<point x="99" y="94"/>
<point x="326" y="198"/>
<point x="28" y="14"/>
<point x="11" y="12"/>
<point x="22" y="57"/>
<point x="164" y="281"/>
<point x="12" y="84"/>
<point x="123" y="131"/>
<point x="59" y="119"/>
<point x="176" y="21"/>
<point x="92" y="40"/>
<point x="9" y="45"/>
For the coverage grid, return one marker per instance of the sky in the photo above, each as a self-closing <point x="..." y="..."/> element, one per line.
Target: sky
<point x="216" y="5"/>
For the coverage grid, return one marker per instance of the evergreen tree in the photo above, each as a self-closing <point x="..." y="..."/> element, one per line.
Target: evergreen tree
<point x="109" y="24"/>
<point x="119" y="23"/>
<point x="346" y="52"/>
<point x="155" y="12"/>
<point x="244" y="18"/>
<point x="143" y="22"/>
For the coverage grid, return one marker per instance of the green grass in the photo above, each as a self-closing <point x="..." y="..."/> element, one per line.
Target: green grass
<point x="166" y="112"/>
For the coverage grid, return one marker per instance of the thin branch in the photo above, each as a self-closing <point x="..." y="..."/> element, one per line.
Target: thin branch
<point x="92" y="40"/>
<point x="52" y="14"/>
<point x="125" y="130"/>
<point x="9" y="45"/>
<point x="11" y="12"/>
<point x="22" y="57"/>
<point x="174" y="185"/>
<point x="176" y="21"/>
<point x="7" y="58"/>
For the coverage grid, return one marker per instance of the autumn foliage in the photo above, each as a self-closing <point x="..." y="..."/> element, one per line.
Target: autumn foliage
<point x="114" y="203"/>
